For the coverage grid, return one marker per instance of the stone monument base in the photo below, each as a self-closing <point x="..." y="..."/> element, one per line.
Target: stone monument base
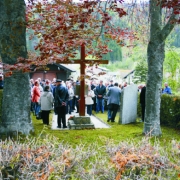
<point x="80" y="122"/>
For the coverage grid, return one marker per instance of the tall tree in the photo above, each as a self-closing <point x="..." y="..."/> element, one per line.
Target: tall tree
<point x="16" y="93"/>
<point x="155" y="56"/>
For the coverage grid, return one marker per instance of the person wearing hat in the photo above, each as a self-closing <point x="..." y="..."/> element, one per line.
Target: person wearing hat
<point x="61" y="97"/>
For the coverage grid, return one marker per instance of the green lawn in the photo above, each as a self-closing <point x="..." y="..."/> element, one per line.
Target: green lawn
<point x="117" y="132"/>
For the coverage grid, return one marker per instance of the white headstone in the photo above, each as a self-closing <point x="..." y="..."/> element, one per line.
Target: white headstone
<point x="128" y="108"/>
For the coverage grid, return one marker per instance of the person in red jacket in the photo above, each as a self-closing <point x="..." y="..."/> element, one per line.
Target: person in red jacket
<point x="35" y="97"/>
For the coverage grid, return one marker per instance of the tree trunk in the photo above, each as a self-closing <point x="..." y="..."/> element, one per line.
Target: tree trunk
<point x="155" y="56"/>
<point x="16" y="92"/>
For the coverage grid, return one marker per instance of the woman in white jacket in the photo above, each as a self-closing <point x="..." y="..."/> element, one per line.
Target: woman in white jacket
<point x="46" y="101"/>
<point x="89" y="101"/>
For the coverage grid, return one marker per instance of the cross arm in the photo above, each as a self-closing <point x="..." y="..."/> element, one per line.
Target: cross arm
<point x="88" y="61"/>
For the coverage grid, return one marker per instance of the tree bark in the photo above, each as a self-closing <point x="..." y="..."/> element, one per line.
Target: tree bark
<point x="16" y="92"/>
<point x="155" y="57"/>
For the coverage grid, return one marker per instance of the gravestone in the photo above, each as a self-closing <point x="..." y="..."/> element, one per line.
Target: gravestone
<point x="128" y="108"/>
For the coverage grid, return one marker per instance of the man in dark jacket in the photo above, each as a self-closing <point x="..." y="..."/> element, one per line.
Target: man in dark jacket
<point x="100" y="92"/>
<point x="142" y="100"/>
<point x="61" y="97"/>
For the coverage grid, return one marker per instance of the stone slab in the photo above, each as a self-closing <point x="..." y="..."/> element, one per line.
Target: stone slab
<point x="98" y="124"/>
<point x="128" y="108"/>
<point x="80" y="122"/>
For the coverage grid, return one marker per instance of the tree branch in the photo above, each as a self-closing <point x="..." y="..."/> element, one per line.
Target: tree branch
<point x="168" y="27"/>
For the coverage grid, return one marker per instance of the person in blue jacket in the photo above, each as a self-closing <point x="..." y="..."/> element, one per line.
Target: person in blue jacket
<point x="167" y="89"/>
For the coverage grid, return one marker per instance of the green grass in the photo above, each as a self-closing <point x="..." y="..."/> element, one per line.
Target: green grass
<point x="116" y="133"/>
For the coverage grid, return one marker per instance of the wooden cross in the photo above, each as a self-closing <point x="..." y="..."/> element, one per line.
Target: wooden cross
<point x="83" y="63"/>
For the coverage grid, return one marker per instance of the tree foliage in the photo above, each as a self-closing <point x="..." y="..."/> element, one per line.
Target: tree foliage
<point x="141" y="70"/>
<point x="63" y="26"/>
<point x="171" y="68"/>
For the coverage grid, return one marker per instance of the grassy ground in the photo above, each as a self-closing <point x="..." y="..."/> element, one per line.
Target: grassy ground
<point x="117" y="132"/>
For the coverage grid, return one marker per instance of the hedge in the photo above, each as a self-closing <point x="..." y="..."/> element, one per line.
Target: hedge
<point x="169" y="110"/>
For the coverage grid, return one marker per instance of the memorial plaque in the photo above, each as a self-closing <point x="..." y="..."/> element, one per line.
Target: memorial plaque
<point x="128" y="108"/>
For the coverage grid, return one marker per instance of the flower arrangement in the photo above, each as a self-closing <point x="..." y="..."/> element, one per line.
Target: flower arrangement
<point x="71" y="118"/>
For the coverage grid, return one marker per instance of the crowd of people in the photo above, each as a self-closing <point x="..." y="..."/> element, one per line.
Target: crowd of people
<point x="61" y="97"/>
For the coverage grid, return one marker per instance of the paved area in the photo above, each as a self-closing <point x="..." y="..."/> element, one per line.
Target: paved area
<point x="97" y="122"/>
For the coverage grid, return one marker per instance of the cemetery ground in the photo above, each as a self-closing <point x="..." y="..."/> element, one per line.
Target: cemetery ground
<point x="119" y="152"/>
<point x="117" y="132"/>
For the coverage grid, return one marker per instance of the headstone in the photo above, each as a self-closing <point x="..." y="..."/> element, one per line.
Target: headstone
<point x="128" y="108"/>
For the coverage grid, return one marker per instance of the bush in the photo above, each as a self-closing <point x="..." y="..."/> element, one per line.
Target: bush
<point x="48" y="159"/>
<point x="169" y="110"/>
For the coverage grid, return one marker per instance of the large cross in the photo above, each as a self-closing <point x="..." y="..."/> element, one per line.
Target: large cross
<point x="83" y="63"/>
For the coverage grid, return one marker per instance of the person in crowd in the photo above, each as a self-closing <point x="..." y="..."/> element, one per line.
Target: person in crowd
<point x="41" y="85"/>
<point x="74" y="97"/>
<point x="111" y="84"/>
<point x="52" y="86"/>
<point x="61" y="97"/>
<point x="124" y="85"/>
<point x="92" y="86"/>
<point x="109" y="110"/>
<point x="1" y="82"/>
<point x="47" y="83"/>
<point x="32" y="104"/>
<point x="89" y="101"/>
<point x="32" y="83"/>
<point x="167" y="89"/>
<point x="77" y="81"/>
<point x="142" y="100"/>
<point x="114" y="95"/>
<point x="77" y="103"/>
<point x="100" y="92"/>
<point x="54" y="80"/>
<point x="139" y="88"/>
<point x="106" y="84"/>
<point x="77" y="97"/>
<point x="69" y="102"/>
<point x="46" y="101"/>
<point x="35" y="97"/>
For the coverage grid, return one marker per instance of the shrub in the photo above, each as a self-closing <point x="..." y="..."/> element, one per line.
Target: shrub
<point x="170" y="114"/>
<point x="48" y="159"/>
<point x="169" y="110"/>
